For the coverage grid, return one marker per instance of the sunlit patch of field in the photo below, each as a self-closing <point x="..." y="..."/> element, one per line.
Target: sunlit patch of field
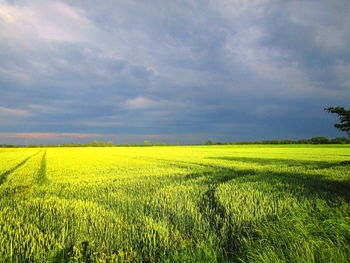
<point x="175" y="204"/>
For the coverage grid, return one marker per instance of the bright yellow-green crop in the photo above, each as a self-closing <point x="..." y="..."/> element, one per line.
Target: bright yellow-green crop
<point x="175" y="204"/>
<point x="10" y="158"/>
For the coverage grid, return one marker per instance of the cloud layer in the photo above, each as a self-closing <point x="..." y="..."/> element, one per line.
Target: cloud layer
<point x="184" y="70"/>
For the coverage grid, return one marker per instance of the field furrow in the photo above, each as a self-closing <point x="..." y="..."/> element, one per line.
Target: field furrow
<point x="41" y="174"/>
<point x="22" y="178"/>
<point x="6" y="173"/>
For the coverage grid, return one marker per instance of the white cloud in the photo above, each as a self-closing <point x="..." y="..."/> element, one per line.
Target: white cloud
<point x="234" y="9"/>
<point x="342" y="72"/>
<point x="286" y="76"/>
<point x="14" y="112"/>
<point x="326" y="21"/>
<point x="142" y="102"/>
<point x="15" y="73"/>
<point x="45" y="20"/>
<point x="8" y="14"/>
<point x="103" y="124"/>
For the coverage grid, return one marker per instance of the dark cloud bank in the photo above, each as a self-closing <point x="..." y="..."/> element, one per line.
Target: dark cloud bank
<point x="172" y="70"/>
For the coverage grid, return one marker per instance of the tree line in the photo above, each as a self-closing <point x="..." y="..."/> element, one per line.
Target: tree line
<point x="313" y="140"/>
<point x="344" y="125"/>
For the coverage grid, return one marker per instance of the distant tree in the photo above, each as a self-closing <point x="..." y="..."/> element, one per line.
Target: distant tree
<point x="208" y="142"/>
<point x="134" y="144"/>
<point x="110" y="144"/>
<point x="320" y="140"/>
<point x="344" y="117"/>
<point x="147" y="143"/>
<point x="161" y="144"/>
<point x="94" y="143"/>
<point x="98" y="144"/>
<point x="341" y="140"/>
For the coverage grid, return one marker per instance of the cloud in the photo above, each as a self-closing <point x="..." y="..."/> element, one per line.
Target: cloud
<point x="165" y="67"/>
<point x="14" y="112"/>
<point x="327" y="23"/>
<point x="55" y="21"/>
<point x="140" y="103"/>
<point x="8" y="14"/>
<point x="47" y="135"/>
<point x="102" y="123"/>
<point x="52" y="138"/>
<point x="342" y="71"/>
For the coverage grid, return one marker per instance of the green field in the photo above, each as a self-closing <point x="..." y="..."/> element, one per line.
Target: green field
<point x="175" y="204"/>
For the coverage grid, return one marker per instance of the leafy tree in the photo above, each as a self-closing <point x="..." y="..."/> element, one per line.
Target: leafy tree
<point x="344" y="117"/>
<point x="320" y="140"/>
<point x="147" y="143"/>
<point x="161" y="144"/>
<point x="208" y="142"/>
<point x="94" y="143"/>
<point x="341" y="140"/>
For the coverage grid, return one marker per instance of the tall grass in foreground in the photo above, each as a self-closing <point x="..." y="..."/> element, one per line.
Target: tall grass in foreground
<point x="177" y="204"/>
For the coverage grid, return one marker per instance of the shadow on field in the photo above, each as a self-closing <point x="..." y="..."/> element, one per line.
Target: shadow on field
<point x="41" y="174"/>
<point x="312" y="183"/>
<point x="214" y="218"/>
<point x="219" y="175"/>
<point x="279" y="161"/>
<point x="71" y="254"/>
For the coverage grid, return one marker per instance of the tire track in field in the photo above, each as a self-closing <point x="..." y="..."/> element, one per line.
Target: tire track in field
<point x="188" y="164"/>
<point x="4" y="175"/>
<point x="218" y="218"/>
<point x="41" y="174"/>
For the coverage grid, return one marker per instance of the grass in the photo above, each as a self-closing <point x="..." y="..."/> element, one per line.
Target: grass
<point x="176" y="204"/>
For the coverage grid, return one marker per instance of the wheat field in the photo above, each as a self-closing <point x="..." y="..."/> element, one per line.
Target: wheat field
<point x="234" y="203"/>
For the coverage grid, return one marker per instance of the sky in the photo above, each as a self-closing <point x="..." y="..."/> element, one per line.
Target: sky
<point x="161" y="70"/>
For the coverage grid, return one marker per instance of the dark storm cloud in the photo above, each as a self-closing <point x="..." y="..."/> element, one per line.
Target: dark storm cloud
<point x="227" y="70"/>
